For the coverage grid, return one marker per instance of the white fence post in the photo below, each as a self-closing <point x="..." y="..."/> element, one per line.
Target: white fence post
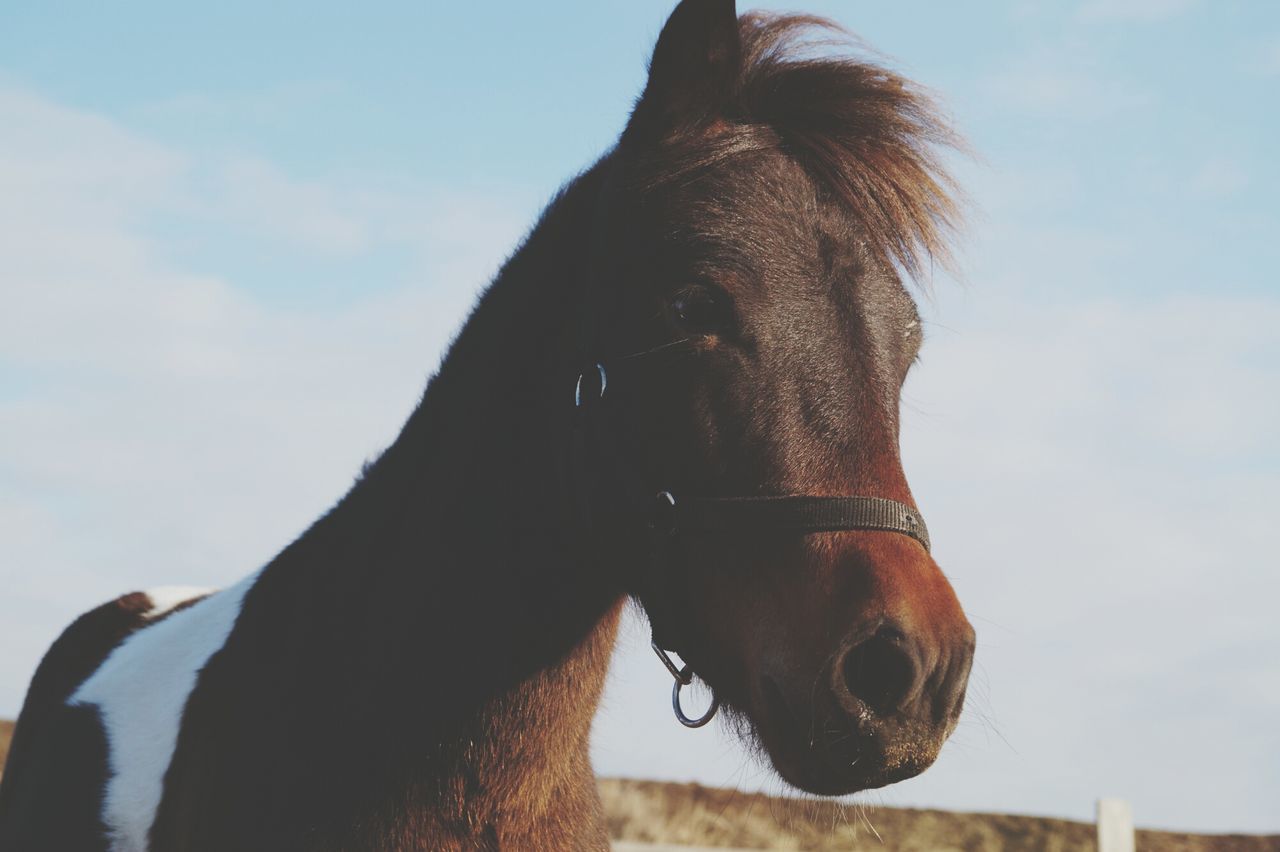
<point x="1115" y="826"/>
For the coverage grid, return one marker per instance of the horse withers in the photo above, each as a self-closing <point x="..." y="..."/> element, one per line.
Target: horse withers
<point x="682" y="389"/>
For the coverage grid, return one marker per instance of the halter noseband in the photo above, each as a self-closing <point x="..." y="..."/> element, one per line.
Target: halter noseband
<point x="800" y="513"/>
<point x="790" y="513"/>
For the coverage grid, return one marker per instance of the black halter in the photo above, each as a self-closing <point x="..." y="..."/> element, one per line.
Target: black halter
<point x="672" y="514"/>
<point x="793" y="512"/>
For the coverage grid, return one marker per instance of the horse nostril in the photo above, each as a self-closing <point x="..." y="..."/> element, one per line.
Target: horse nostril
<point x="881" y="671"/>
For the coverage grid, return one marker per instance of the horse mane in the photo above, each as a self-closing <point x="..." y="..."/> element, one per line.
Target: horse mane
<point x="871" y="140"/>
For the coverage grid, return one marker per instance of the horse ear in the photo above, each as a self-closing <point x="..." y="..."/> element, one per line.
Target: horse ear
<point x="693" y="70"/>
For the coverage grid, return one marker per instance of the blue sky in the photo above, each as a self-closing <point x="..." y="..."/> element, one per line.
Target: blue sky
<point x="236" y="239"/>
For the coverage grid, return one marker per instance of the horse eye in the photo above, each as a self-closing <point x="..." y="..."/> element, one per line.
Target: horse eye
<point x="702" y="310"/>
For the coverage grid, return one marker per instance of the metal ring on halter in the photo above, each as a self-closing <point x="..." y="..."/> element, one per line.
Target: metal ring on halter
<point x="577" y="391"/>
<point x="685" y="720"/>
<point x="684" y="677"/>
<point x="663" y="521"/>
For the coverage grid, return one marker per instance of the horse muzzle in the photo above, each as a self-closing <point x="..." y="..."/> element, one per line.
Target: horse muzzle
<point x="878" y="713"/>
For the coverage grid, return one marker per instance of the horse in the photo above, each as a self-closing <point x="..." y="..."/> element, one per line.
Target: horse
<point x="682" y="389"/>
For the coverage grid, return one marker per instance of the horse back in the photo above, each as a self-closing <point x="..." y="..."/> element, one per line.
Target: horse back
<point x="53" y="783"/>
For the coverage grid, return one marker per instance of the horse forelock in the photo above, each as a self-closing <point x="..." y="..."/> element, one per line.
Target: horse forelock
<point x="872" y="140"/>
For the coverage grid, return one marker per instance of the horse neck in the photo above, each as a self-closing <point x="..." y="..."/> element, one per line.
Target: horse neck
<point x="477" y="636"/>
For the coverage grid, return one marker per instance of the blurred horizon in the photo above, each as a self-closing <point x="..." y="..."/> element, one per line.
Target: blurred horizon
<point x="237" y="239"/>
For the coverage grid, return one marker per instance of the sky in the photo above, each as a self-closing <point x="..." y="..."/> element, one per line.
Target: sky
<point x="235" y="240"/>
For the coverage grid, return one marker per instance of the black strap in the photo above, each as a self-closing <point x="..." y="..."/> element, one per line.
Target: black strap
<point x="799" y="513"/>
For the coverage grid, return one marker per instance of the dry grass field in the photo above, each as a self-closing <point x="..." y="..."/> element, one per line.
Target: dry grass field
<point x="687" y="814"/>
<point x="6" y="732"/>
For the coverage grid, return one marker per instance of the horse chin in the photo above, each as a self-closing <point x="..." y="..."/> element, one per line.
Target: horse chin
<point x="850" y="762"/>
<point x="823" y="775"/>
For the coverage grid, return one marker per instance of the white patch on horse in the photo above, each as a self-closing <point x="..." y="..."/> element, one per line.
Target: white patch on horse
<point x="140" y="692"/>
<point x="165" y="598"/>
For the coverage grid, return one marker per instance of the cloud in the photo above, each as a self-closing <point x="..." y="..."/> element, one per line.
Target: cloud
<point x="1102" y="470"/>
<point x="159" y="423"/>
<point x="1219" y="177"/>
<point x="1063" y="89"/>
<point x="45" y="146"/>
<point x="256" y="195"/>
<point x="271" y="106"/>
<point x="1133" y="10"/>
<point x="1266" y="58"/>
